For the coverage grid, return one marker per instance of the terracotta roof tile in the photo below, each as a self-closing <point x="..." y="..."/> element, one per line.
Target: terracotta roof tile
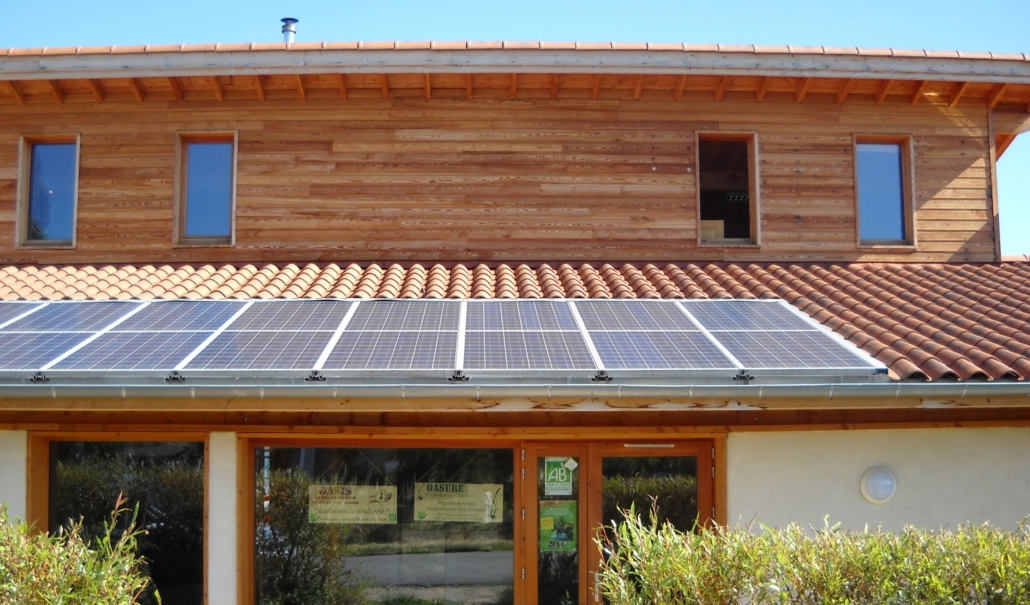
<point x="925" y="322"/>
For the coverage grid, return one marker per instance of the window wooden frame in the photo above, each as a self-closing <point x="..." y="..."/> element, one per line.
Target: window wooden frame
<point x="37" y="506"/>
<point x="908" y="186"/>
<point x="182" y="141"/>
<point x="754" y="188"/>
<point x="25" y="190"/>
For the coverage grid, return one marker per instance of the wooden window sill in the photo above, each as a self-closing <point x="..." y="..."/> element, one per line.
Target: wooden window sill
<point x="729" y="243"/>
<point x="46" y="246"/>
<point x="888" y="247"/>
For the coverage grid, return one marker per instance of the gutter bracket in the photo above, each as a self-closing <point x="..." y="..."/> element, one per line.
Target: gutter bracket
<point x="744" y="376"/>
<point x="458" y="376"/>
<point x="315" y="376"/>
<point x="175" y="376"/>
<point x="601" y="376"/>
<point x="39" y="377"/>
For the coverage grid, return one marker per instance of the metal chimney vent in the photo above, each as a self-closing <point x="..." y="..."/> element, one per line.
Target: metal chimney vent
<point x="289" y="28"/>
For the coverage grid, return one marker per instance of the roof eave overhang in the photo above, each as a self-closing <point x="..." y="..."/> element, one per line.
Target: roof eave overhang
<point x="268" y="62"/>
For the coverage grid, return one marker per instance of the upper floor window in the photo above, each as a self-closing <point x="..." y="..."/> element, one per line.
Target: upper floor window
<point x="48" y="196"/>
<point x="727" y="191"/>
<point x="884" y="192"/>
<point x="207" y="189"/>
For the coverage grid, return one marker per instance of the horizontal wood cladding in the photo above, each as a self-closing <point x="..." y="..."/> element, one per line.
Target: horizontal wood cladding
<point x="500" y="180"/>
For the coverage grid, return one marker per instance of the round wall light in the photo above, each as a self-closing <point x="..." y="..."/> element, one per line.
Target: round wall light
<point x="878" y="485"/>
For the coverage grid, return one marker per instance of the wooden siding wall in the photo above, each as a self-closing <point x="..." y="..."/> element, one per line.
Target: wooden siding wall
<point x="493" y="179"/>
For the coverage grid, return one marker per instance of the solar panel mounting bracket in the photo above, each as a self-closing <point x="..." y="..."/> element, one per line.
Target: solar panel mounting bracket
<point x="458" y="376"/>
<point x="39" y="377"/>
<point x="744" y="376"/>
<point x="314" y="376"/>
<point x="175" y="376"/>
<point x="601" y="376"/>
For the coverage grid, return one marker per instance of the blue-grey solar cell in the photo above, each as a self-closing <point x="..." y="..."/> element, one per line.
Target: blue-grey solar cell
<point x="278" y="315"/>
<point x="519" y="315"/>
<point x="658" y="351"/>
<point x="134" y="351"/>
<point x="414" y="315"/>
<point x="32" y="351"/>
<point x="86" y="316"/>
<point x="10" y="310"/>
<point x="745" y="315"/>
<point x="262" y="351"/>
<point x="181" y="316"/>
<point x="393" y="351"/>
<point x="526" y="351"/>
<point x="627" y="315"/>
<point x="785" y="349"/>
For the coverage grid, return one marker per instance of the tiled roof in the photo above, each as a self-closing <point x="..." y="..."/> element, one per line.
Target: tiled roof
<point x="925" y="321"/>
<point x="515" y="45"/>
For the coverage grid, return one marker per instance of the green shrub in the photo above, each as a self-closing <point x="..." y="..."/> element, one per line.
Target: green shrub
<point x="647" y="563"/>
<point x="36" y="568"/>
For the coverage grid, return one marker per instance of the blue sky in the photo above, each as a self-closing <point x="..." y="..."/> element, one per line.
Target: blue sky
<point x="996" y="25"/>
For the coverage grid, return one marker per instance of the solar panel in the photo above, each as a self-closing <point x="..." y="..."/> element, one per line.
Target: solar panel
<point x="413" y="315"/>
<point x="10" y="310"/>
<point x="788" y="349"/>
<point x="180" y="316"/>
<point x="744" y="315"/>
<point x="283" y="315"/>
<point x="627" y="315"/>
<point x="496" y="350"/>
<point x="72" y="317"/>
<point x="255" y="350"/>
<point x="133" y="351"/>
<point x="520" y="315"/>
<point x="652" y="350"/>
<point x="31" y="350"/>
<point x="431" y="350"/>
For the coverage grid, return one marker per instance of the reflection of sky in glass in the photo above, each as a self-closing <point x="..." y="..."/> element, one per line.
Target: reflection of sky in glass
<point x="880" y="194"/>
<point x="52" y="192"/>
<point x="208" y="189"/>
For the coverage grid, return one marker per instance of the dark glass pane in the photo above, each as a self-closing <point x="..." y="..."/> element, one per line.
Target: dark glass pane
<point x="341" y="526"/>
<point x="881" y="195"/>
<point x="165" y="479"/>
<point x="725" y="183"/>
<point x="558" y="527"/>
<point x="52" y="192"/>
<point x="668" y="481"/>
<point x="208" y="189"/>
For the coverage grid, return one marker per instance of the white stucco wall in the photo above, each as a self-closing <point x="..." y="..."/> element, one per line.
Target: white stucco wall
<point x="944" y="477"/>
<point x="14" y="471"/>
<point x="221" y="519"/>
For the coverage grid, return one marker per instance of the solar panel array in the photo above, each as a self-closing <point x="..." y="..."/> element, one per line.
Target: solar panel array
<point x="479" y="336"/>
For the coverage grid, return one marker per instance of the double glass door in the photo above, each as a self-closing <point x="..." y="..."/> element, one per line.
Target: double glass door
<point x="581" y="488"/>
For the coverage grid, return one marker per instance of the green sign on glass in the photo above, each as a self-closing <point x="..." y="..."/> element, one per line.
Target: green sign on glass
<point x="557" y="525"/>
<point x="558" y="476"/>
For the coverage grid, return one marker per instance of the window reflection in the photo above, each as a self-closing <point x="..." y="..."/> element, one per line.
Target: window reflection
<point x="209" y="189"/>
<point x="881" y="194"/>
<point x="51" y="211"/>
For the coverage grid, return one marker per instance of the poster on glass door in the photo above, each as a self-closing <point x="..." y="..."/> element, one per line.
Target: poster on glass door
<point x="557" y="525"/>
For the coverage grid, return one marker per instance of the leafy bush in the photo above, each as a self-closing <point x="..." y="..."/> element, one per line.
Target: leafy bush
<point x="648" y="563"/>
<point x="39" y="568"/>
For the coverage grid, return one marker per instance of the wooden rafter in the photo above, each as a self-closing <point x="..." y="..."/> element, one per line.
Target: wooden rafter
<point x="217" y="86"/>
<point x="554" y="86"/>
<point x="341" y="84"/>
<point x="996" y="95"/>
<point x="845" y="91"/>
<point x="885" y="89"/>
<point x="764" y="88"/>
<point x="386" y="86"/>
<point x="55" y="89"/>
<point x="259" y="88"/>
<point x="919" y="91"/>
<point x="803" y="89"/>
<point x="301" y="93"/>
<point x="1003" y="143"/>
<point x="15" y="91"/>
<point x="176" y="88"/>
<point x="137" y="91"/>
<point x="428" y="86"/>
<point x="95" y="90"/>
<point x="679" y="87"/>
<point x="468" y="86"/>
<point x="639" y="88"/>
<point x="720" y="90"/>
<point x="597" y="87"/>
<point x="514" y="84"/>
<point x="955" y="98"/>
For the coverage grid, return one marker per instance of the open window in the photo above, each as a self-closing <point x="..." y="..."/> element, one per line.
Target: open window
<point x="48" y="192"/>
<point x="206" y="189"/>
<point x="883" y="190"/>
<point x="727" y="189"/>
